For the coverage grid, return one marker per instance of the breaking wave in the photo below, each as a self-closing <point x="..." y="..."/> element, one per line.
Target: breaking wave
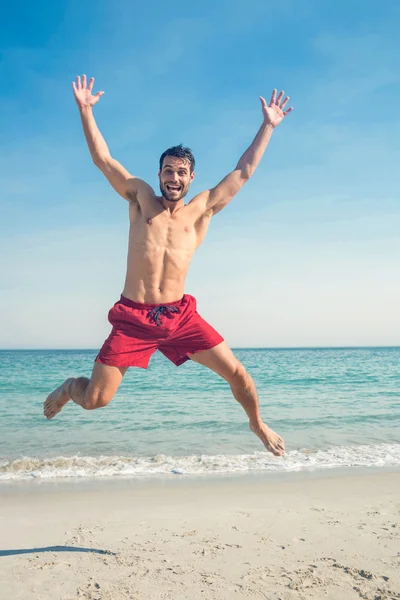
<point x="28" y="468"/>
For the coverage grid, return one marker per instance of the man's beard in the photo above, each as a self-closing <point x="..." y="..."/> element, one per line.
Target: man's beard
<point x="168" y="196"/>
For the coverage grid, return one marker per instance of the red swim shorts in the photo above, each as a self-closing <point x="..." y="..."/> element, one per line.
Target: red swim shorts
<point x="174" y="328"/>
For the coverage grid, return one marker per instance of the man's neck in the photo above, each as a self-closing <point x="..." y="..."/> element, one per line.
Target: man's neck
<point x="169" y="206"/>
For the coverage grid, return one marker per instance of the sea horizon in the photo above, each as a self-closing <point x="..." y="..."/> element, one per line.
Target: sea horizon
<point x="94" y="349"/>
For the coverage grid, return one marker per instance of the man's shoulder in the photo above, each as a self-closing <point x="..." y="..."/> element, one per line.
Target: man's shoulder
<point x="139" y="191"/>
<point x="199" y="202"/>
<point x="200" y="206"/>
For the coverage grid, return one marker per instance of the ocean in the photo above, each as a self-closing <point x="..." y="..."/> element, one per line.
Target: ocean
<point x="334" y="407"/>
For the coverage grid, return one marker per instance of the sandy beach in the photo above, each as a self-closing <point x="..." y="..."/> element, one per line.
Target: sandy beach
<point x="334" y="536"/>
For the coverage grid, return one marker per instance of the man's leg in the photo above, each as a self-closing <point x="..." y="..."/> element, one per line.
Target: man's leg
<point x="89" y="393"/>
<point x="222" y="360"/>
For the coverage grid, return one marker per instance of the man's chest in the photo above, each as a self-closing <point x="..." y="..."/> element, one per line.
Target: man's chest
<point x="164" y="231"/>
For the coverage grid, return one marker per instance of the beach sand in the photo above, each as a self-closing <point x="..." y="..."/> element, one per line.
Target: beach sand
<point x="334" y="536"/>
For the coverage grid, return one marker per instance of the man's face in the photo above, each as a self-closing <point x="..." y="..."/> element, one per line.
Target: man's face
<point x="175" y="178"/>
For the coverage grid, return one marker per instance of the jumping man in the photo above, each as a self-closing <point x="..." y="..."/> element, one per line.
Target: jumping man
<point x="154" y="313"/>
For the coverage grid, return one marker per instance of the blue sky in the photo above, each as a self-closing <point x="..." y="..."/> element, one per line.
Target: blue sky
<point x="307" y="254"/>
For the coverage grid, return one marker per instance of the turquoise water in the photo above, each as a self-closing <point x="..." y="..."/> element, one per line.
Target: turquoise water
<point x="334" y="407"/>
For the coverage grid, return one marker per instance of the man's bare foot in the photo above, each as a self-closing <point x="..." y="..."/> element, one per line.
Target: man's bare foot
<point x="57" y="400"/>
<point x="271" y="440"/>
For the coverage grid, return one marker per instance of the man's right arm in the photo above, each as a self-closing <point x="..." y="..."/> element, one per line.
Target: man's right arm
<point x="125" y="184"/>
<point x="120" y="179"/>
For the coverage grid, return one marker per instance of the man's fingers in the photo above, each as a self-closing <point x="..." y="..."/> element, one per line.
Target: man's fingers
<point x="286" y="100"/>
<point x="263" y="102"/>
<point x="288" y="111"/>
<point x="91" y="83"/>
<point x="273" y="98"/>
<point x="78" y="82"/>
<point x="279" y="98"/>
<point x="84" y="82"/>
<point x="99" y="94"/>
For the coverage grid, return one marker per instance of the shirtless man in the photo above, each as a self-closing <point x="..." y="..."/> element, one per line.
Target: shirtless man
<point x="153" y="312"/>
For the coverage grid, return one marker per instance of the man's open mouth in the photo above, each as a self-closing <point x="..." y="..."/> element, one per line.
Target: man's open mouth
<point x="173" y="188"/>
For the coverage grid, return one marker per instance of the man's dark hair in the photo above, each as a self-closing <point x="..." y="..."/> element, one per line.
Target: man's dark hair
<point x="179" y="152"/>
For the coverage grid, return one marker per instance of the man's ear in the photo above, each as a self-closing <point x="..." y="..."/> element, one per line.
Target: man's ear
<point x="159" y="173"/>
<point x="192" y="176"/>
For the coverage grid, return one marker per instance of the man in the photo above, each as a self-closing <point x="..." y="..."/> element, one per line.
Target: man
<point x="153" y="312"/>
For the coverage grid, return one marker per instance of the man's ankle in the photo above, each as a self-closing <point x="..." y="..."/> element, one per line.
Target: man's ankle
<point x="256" y="424"/>
<point x="67" y="385"/>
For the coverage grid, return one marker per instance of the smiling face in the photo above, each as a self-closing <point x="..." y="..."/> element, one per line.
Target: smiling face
<point x="175" y="178"/>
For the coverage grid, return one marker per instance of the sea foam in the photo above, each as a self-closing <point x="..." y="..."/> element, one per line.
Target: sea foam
<point x="61" y="467"/>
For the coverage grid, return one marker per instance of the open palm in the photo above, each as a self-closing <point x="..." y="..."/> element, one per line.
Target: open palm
<point x="83" y="93"/>
<point x="273" y="112"/>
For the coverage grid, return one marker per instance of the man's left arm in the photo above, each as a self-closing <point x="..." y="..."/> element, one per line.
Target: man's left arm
<point x="219" y="196"/>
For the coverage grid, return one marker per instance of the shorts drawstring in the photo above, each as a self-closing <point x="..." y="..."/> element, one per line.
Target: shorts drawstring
<point x="156" y="313"/>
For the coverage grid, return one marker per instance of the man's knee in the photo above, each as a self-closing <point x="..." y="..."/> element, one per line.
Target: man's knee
<point x="96" y="399"/>
<point x="239" y="375"/>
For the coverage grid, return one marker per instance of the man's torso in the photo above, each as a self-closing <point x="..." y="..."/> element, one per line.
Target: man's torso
<point x="161" y="246"/>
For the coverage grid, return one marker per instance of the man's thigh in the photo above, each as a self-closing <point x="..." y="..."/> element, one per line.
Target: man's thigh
<point x="219" y="359"/>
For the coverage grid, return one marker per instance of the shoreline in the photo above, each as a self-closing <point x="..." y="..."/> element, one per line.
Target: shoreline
<point x="104" y="467"/>
<point x="121" y="482"/>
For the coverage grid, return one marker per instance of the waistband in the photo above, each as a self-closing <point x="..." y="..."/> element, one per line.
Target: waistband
<point x="132" y="304"/>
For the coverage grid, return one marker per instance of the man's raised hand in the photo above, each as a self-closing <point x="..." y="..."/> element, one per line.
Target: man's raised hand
<point x="274" y="111"/>
<point x="83" y="93"/>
